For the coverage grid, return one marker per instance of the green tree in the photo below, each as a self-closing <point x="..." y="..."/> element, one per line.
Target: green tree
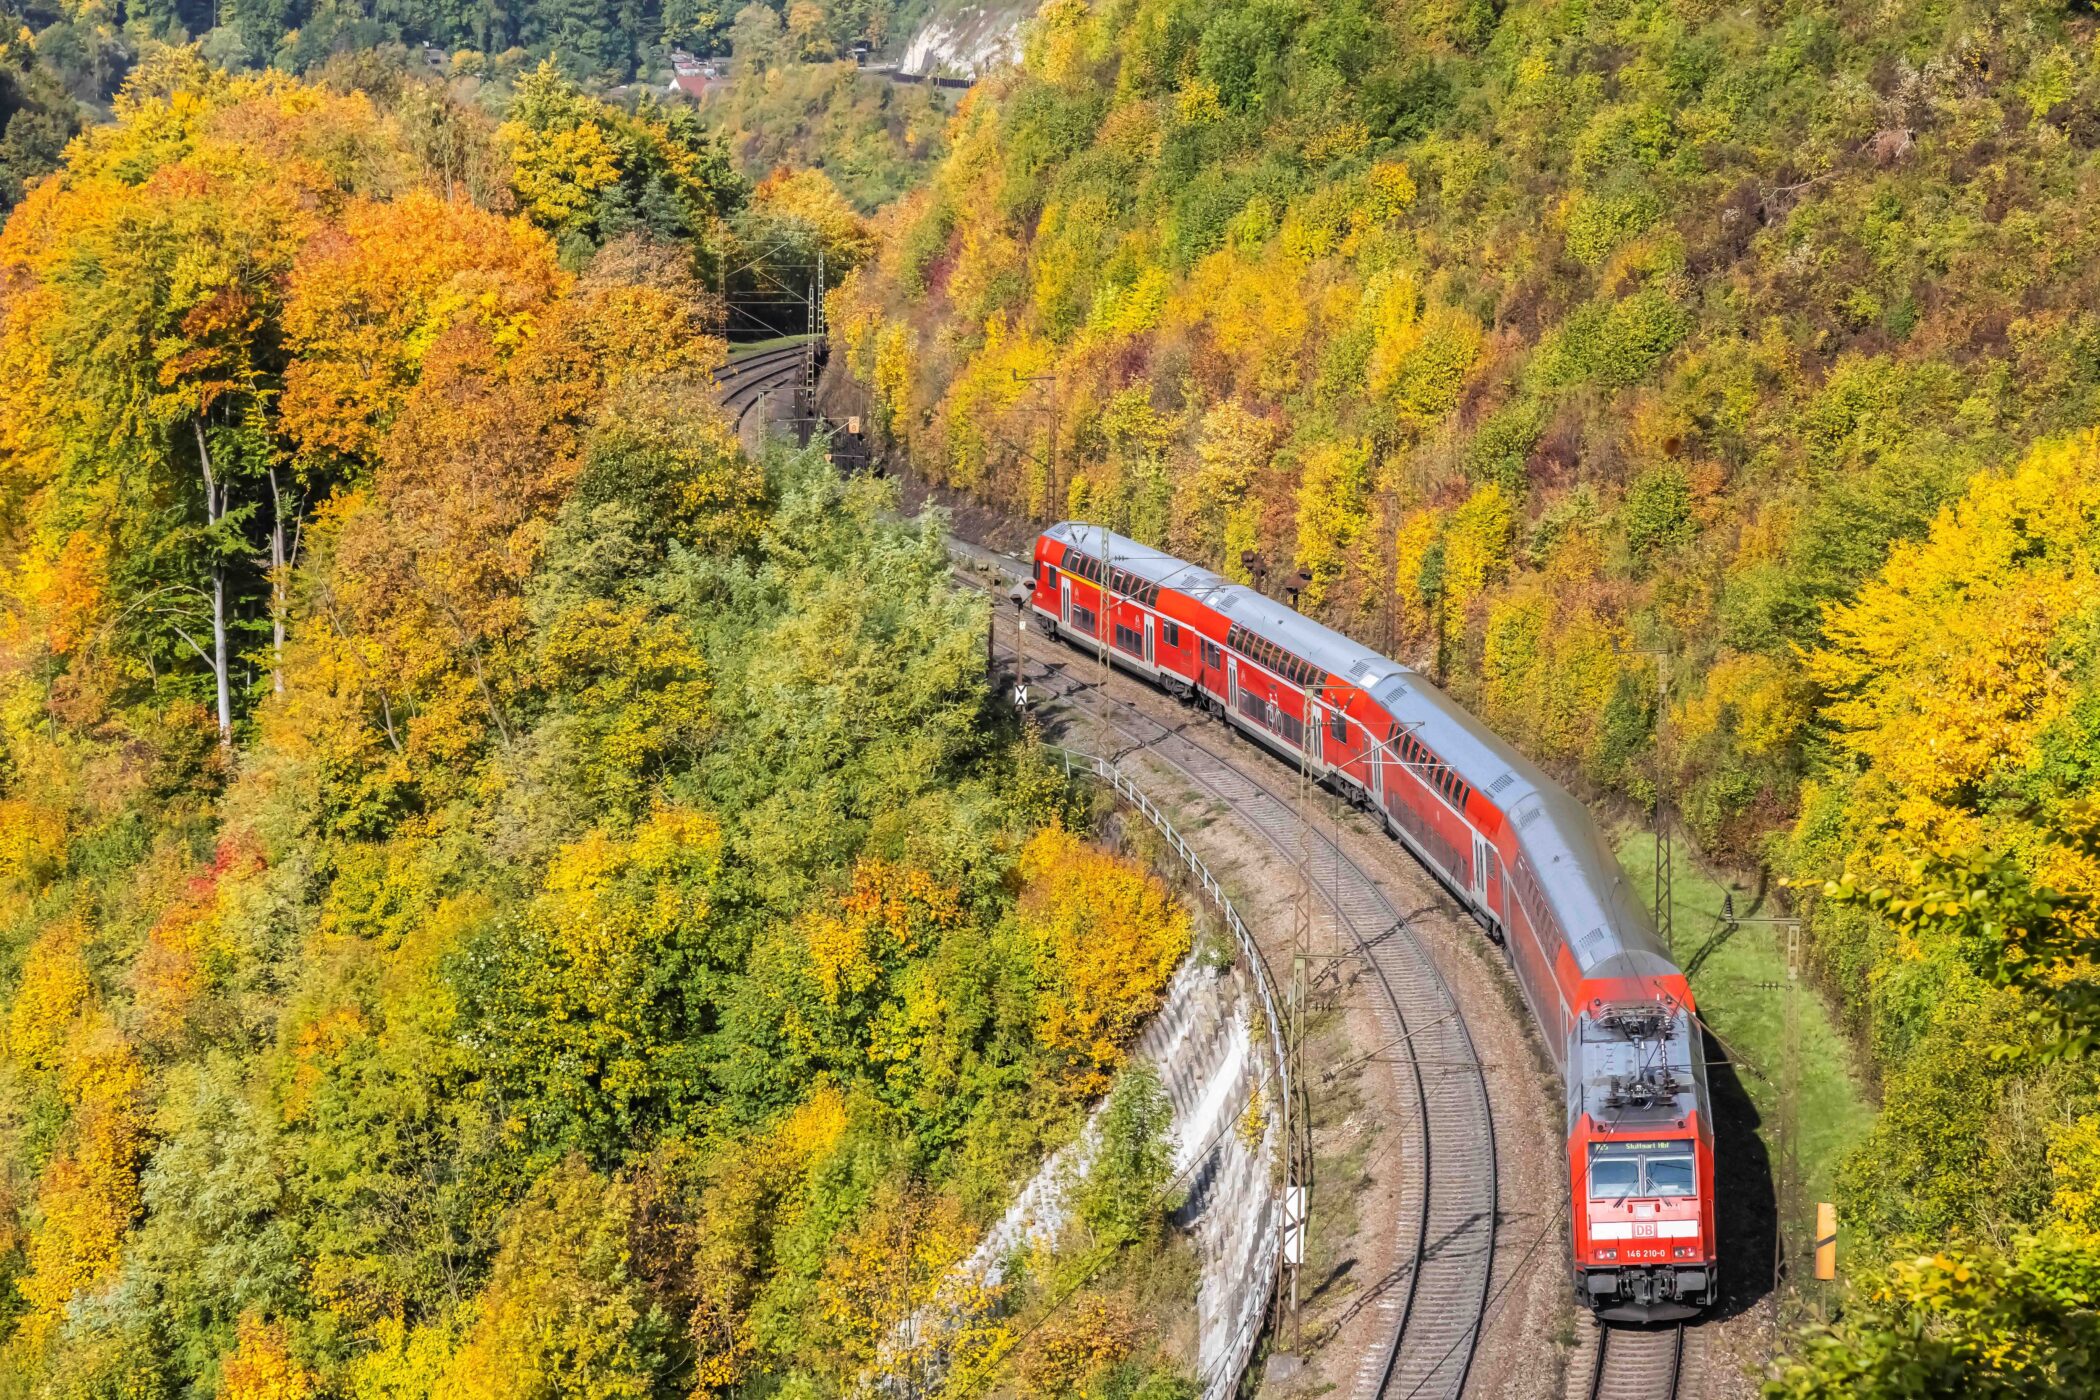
<point x="1124" y="1198"/>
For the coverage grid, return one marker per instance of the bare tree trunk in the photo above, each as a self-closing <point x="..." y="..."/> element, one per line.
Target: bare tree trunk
<point x="214" y="502"/>
<point x="277" y="585"/>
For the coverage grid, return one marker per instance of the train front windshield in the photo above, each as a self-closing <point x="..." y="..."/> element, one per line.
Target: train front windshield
<point x="1661" y="1170"/>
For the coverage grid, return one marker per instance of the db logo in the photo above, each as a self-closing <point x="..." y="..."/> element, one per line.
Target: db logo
<point x="1644" y="1232"/>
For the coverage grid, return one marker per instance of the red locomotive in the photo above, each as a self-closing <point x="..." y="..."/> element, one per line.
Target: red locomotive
<point x="1510" y="843"/>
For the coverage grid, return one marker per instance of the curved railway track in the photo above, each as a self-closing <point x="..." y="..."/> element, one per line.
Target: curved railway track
<point x="1637" y="1363"/>
<point x="743" y="380"/>
<point x="1436" y="1302"/>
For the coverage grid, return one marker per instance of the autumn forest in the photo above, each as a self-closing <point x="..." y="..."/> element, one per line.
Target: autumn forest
<point x="513" y="885"/>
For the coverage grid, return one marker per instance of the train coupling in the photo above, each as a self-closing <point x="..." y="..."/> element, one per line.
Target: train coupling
<point x="1649" y="1294"/>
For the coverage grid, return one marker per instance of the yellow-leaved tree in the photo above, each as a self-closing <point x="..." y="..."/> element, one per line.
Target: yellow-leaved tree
<point x="1950" y="665"/>
<point x="1107" y="936"/>
<point x="564" y="1316"/>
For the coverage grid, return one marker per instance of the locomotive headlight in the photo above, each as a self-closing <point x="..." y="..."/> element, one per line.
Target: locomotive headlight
<point x="1607" y="1254"/>
<point x="1684" y="1253"/>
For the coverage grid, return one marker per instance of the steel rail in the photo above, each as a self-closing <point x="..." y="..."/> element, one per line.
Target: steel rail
<point x="1633" y="1363"/>
<point x="741" y="383"/>
<point x="1451" y="1182"/>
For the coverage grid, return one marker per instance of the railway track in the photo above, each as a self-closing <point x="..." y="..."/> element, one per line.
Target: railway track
<point x="1434" y="1305"/>
<point x="1636" y="1363"/>
<point x="744" y="379"/>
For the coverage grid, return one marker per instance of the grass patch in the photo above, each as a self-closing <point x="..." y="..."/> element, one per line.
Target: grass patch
<point x="1739" y="986"/>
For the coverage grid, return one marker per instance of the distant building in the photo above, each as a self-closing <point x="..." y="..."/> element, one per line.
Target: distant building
<point x="691" y="75"/>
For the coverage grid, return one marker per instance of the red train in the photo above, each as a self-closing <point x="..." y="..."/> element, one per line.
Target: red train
<point x="1511" y="844"/>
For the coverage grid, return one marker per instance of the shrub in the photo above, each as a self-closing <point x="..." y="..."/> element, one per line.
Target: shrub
<point x="1124" y="1198"/>
<point x="1503" y="441"/>
<point x="1596" y="222"/>
<point x="1657" y="515"/>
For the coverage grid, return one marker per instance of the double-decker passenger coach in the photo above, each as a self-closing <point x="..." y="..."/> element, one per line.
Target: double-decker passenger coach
<point x="1514" y="847"/>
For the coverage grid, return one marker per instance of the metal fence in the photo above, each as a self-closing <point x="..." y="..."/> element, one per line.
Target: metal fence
<point x="1216" y="1386"/>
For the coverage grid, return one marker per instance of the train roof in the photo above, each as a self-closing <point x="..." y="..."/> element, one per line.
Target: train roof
<point x="1632" y="1084"/>
<point x="1610" y="932"/>
<point x="1152" y="565"/>
<point x="1257" y="612"/>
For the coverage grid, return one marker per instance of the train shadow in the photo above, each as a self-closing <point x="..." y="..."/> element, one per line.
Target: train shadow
<point x="1746" y="1202"/>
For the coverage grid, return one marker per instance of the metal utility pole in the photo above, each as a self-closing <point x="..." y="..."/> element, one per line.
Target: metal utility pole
<point x="816" y="338"/>
<point x="1665" y="892"/>
<point x="1048" y="462"/>
<point x="1665" y="852"/>
<point x="1788" y="1185"/>
<point x="1790" y="1095"/>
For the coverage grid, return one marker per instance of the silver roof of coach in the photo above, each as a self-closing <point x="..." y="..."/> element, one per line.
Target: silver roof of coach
<point x="1608" y="926"/>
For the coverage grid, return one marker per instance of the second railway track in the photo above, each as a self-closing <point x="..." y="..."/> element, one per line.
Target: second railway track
<point x="1435" y="1304"/>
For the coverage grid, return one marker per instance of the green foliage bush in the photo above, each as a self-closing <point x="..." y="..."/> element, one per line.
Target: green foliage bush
<point x="876" y="139"/>
<point x="1503" y="441"/>
<point x="1656" y="518"/>
<point x="1124" y="1197"/>
<point x="37" y="114"/>
<point x="1598" y="221"/>
<point x="1613" y="344"/>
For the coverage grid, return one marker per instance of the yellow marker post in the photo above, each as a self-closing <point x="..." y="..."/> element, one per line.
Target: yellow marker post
<point x="1826" y="1240"/>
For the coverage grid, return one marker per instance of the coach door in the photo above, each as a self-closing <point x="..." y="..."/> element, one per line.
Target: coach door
<point x="1315" y="726"/>
<point x="1232" y="683"/>
<point x="1150" y="623"/>
<point x="1487" y="879"/>
<point x="1064" y="599"/>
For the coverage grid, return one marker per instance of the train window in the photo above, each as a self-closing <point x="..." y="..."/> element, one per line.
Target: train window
<point x="1670" y="1176"/>
<point x="1614" y="1178"/>
<point x="1171" y="633"/>
<point x="1338" y="726"/>
<point x="1210" y="655"/>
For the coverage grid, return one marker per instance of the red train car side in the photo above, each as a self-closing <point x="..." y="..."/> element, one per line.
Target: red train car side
<point x="1508" y="841"/>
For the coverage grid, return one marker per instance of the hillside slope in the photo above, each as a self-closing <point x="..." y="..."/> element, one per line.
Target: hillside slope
<point x="1583" y="352"/>
<point x="1523" y="333"/>
<point x="501" y="894"/>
